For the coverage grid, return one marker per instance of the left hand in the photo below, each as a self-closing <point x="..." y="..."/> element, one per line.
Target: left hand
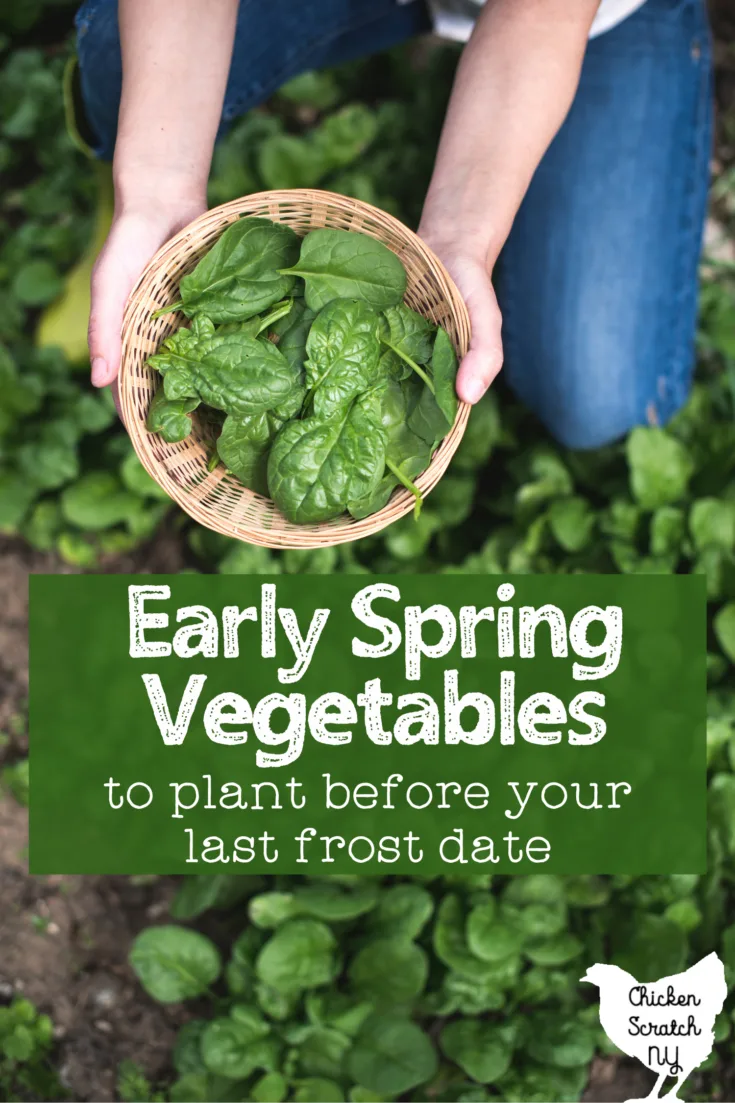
<point x="468" y="264"/>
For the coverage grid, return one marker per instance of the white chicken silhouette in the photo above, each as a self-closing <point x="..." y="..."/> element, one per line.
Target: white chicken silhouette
<point x="669" y="1024"/>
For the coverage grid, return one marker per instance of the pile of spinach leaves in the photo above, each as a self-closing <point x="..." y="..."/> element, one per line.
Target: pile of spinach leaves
<point x="328" y="391"/>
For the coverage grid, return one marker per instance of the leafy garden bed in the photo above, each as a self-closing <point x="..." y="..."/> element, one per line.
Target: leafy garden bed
<point x="347" y="988"/>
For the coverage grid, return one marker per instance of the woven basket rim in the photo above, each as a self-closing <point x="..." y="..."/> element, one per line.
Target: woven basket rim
<point x="180" y="470"/>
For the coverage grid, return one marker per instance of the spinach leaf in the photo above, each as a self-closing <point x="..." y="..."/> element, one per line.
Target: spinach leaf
<point x="407" y="338"/>
<point x="392" y="366"/>
<point x="300" y="955"/>
<point x="244" y="375"/>
<point x="377" y="499"/>
<point x="480" y="1048"/>
<point x="181" y="353"/>
<point x="407" y="333"/>
<point x="170" y="417"/>
<point x="243" y="447"/>
<point x="239" y="276"/>
<point x="434" y="414"/>
<point x="444" y="375"/>
<point x="173" y="963"/>
<point x="259" y="324"/>
<point x="391" y="1056"/>
<point x="292" y="331"/>
<point x="389" y="971"/>
<point x="343" y="353"/>
<point x="427" y="420"/>
<point x="318" y="465"/>
<point x="342" y="264"/>
<point x="406" y="455"/>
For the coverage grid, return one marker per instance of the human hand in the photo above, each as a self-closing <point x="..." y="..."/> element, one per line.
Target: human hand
<point x="468" y="262"/>
<point x="135" y="235"/>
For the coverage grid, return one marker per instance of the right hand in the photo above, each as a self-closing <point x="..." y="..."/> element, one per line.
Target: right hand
<point x="134" y="237"/>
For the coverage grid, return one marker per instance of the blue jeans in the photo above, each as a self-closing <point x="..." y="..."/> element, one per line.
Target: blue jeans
<point x="598" y="279"/>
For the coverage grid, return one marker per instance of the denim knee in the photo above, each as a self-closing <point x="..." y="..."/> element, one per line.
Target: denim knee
<point x="584" y="392"/>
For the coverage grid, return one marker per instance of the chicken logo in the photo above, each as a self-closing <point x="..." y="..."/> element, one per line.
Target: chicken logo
<point x="669" y="1024"/>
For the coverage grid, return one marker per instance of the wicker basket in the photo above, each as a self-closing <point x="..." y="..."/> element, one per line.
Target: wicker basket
<point x="215" y="499"/>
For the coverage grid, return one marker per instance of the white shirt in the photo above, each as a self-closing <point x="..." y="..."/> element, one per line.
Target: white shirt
<point x="454" y="19"/>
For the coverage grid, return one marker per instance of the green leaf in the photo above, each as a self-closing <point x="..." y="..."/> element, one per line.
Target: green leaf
<point x="170" y="417"/>
<point x="173" y="963"/>
<point x="36" y="283"/>
<point x="450" y="942"/>
<point x="483" y="432"/>
<point x="407" y="335"/>
<point x="317" y="466"/>
<point x="344" y="135"/>
<point x="19" y="1044"/>
<point x="97" y="501"/>
<point x="77" y="550"/>
<point x="712" y="523"/>
<point x="318" y="1091"/>
<point x="724" y="625"/>
<point x="470" y="996"/>
<point x="286" y="161"/>
<point x="291" y="334"/>
<point x="235" y="1047"/>
<point x="187" y="1052"/>
<point x="52" y="460"/>
<point x="271" y="1088"/>
<point x="300" y="955"/>
<point x="403" y="911"/>
<point x="339" y="264"/>
<point x="244" y="446"/>
<point x="427" y="420"/>
<point x="334" y="903"/>
<point x="488" y="937"/>
<point x="444" y="375"/>
<point x="557" y="950"/>
<point x="391" y="1055"/>
<point x="343" y="354"/>
<point x="322" y="1051"/>
<point x="238" y="278"/>
<point x="314" y="89"/>
<point x="197" y="894"/>
<point x="94" y="412"/>
<point x="136" y="479"/>
<point x="572" y="522"/>
<point x="389" y="971"/>
<point x="243" y="375"/>
<point x="16" y="496"/>
<point x="685" y="914"/>
<point x="271" y="909"/>
<point x="478" y="1048"/>
<point x="561" y="1041"/>
<point x="667" y="530"/>
<point x="654" y="947"/>
<point x="660" y="467"/>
